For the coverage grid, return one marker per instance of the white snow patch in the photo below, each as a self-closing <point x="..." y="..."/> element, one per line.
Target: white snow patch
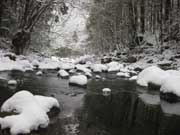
<point x="98" y="77"/>
<point x="133" y="78"/>
<point x="12" y="82"/>
<point x="49" y="64"/>
<point x="121" y="74"/>
<point x="32" y="112"/>
<point x="39" y="73"/>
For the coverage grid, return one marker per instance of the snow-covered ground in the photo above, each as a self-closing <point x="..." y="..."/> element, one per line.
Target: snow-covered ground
<point x="31" y="112"/>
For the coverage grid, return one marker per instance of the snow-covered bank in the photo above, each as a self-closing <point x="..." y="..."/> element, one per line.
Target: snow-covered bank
<point x="31" y="112"/>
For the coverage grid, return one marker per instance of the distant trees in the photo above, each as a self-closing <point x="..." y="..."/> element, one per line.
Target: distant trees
<point x="26" y="14"/>
<point x="115" y="24"/>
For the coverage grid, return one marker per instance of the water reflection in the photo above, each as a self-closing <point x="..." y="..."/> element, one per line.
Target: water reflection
<point x="128" y="110"/>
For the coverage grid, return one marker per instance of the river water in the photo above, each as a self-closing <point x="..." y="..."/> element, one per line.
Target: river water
<point x="129" y="110"/>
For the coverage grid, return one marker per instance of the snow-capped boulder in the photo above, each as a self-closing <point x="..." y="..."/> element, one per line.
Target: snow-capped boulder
<point x="114" y="66"/>
<point x="153" y="75"/>
<point x="171" y="86"/>
<point x="67" y="66"/>
<point x="97" y="68"/>
<point x="47" y="63"/>
<point x="133" y="78"/>
<point x="62" y="73"/>
<point x="80" y="80"/>
<point x="82" y="68"/>
<point x="39" y="73"/>
<point x="12" y="82"/>
<point x="72" y="71"/>
<point x="35" y="63"/>
<point x="31" y="112"/>
<point x="98" y="77"/>
<point x="122" y="74"/>
<point x="106" y="91"/>
<point x="54" y="58"/>
<point x="25" y="64"/>
<point x="88" y="74"/>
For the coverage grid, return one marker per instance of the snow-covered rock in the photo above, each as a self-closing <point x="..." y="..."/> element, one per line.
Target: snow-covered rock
<point x="153" y="75"/>
<point x="12" y="82"/>
<point x="54" y="58"/>
<point x="64" y="74"/>
<point x="25" y="64"/>
<point x="7" y="64"/>
<point x="35" y="63"/>
<point x="88" y="74"/>
<point x="67" y="66"/>
<point x="98" y="77"/>
<point x="39" y="73"/>
<point x="114" y="66"/>
<point x="31" y="112"/>
<point x="106" y="91"/>
<point x="82" y="68"/>
<point x="97" y="68"/>
<point x="49" y="64"/>
<point x="72" y="71"/>
<point x="171" y="85"/>
<point x="80" y="80"/>
<point x="122" y="74"/>
<point x="133" y="78"/>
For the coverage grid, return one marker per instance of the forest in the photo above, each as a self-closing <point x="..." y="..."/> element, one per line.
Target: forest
<point x="112" y="24"/>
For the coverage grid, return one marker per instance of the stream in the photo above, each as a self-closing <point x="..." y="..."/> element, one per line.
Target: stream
<point x="129" y="110"/>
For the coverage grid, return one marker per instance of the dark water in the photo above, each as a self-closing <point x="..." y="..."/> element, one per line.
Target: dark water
<point x="129" y="110"/>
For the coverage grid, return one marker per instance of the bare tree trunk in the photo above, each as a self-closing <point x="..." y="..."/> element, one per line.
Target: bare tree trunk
<point x="20" y="40"/>
<point x="142" y="16"/>
<point x="1" y="11"/>
<point x="167" y="9"/>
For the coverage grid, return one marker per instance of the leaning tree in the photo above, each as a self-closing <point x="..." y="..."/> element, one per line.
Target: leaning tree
<point x="28" y="13"/>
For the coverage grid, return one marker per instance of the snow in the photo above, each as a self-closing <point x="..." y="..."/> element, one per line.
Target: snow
<point x="67" y="66"/>
<point x="49" y="64"/>
<point x="63" y="73"/>
<point x="153" y="75"/>
<point x="82" y="68"/>
<point x="133" y="78"/>
<point x="12" y="82"/>
<point x="98" y="77"/>
<point x="97" y="68"/>
<point x="114" y="66"/>
<point x="121" y="74"/>
<point x="88" y="74"/>
<point x="35" y="63"/>
<point x="31" y="112"/>
<point x="39" y="73"/>
<point x="106" y="91"/>
<point x="78" y="80"/>
<point x="72" y="71"/>
<point x="7" y="64"/>
<point x="171" y="85"/>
